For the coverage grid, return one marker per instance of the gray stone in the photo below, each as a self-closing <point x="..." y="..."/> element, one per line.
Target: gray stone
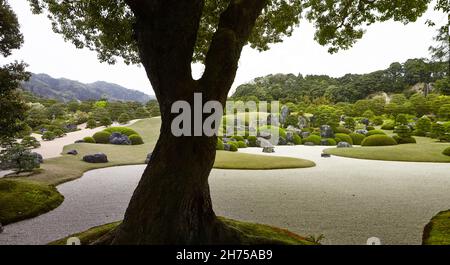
<point x="73" y="152"/>
<point x="149" y="157"/>
<point x="325" y="155"/>
<point x="1" y="228"/>
<point x="309" y="144"/>
<point x="227" y="140"/>
<point x="326" y="131"/>
<point x="365" y="121"/>
<point x="273" y="120"/>
<point x="305" y="134"/>
<point x="282" y="141"/>
<point x="96" y="158"/>
<point x="284" y="114"/>
<point x="290" y="137"/>
<point x="261" y="142"/>
<point x="79" y="141"/>
<point x="226" y="147"/>
<point x="344" y="145"/>
<point x="38" y="157"/>
<point x="269" y="150"/>
<point x="362" y="131"/>
<point x="265" y="135"/>
<point x="119" y="139"/>
<point x="302" y="122"/>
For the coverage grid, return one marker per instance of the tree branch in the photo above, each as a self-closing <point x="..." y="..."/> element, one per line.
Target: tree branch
<point x="235" y="26"/>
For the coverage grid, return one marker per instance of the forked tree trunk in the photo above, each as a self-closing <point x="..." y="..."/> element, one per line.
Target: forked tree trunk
<point x="172" y="203"/>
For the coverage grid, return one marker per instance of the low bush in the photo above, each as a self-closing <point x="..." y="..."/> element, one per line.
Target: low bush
<point x="123" y="130"/>
<point x="102" y="137"/>
<point x="342" y="137"/>
<point x="252" y="141"/>
<point x="269" y="128"/>
<point x="328" y="142"/>
<point x="89" y="140"/>
<point x="357" y="138"/>
<point x="296" y="139"/>
<point x="378" y="140"/>
<point x="219" y="145"/>
<point x="91" y="124"/>
<point x="136" y="139"/>
<point x="404" y="140"/>
<point x="377" y="121"/>
<point x="375" y="132"/>
<point x="403" y="131"/>
<point x="48" y="136"/>
<point x="58" y="132"/>
<point x="370" y="128"/>
<point x="233" y="146"/>
<point x="446" y="151"/>
<point x="30" y="141"/>
<point x="123" y="118"/>
<point x="388" y="125"/>
<point x="242" y="144"/>
<point x="342" y="130"/>
<point x="418" y="132"/>
<point x="313" y="139"/>
<point x="238" y="138"/>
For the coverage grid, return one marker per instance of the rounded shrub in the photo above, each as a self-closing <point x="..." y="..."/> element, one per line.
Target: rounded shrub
<point x="342" y="137"/>
<point x="328" y="141"/>
<point x="91" y="124"/>
<point x="388" y="125"/>
<point x="378" y="140"/>
<point x="296" y="139"/>
<point x="375" y="132"/>
<point x="252" y="141"/>
<point x="48" y="136"/>
<point x="341" y="129"/>
<point x="446" y="151"/>
<point x="377" y="120"/>
<point x="233" y="146"/>
<point x="269" y="128"/>
<point x="404" y="140"/>
<point x="102" y="137"/>
<point x="370" y="128"/>
<point x="313" y="139"/>
<point x="403" y="131"/>
<point x="30" y="141"/>
<point x="58" y="132"/>
<point x="89" y="140"/>
<point x="238" y="138"/>
<point x="357" y="138"/>
<point x="219" y="145"/>
<point x="242" y="144"/>
<point x="123" y="130"/>
<point x="123" y="118"/>
<point x="136" y="139"/>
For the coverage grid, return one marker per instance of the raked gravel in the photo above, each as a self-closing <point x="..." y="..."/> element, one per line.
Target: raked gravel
<point x="347" y="200"/>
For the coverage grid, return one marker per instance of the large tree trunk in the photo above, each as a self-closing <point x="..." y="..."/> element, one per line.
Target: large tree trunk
<point x="172" y="203"/>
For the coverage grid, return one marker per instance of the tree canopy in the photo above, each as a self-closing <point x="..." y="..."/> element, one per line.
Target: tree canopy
<point x="106" y="25"/>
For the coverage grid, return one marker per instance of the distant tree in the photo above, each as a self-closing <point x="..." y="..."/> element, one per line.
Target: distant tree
<point x="123" y="118"/>
<point x="350" y="123"/>
<point x="423" y="126"/>
<point x="17" y="157"/>
<point x="56" y="111"/>
<point x="444" y="112"/>
<point x="73" y="106"/>
<point x="443" y="86"/>
<point x="401" y="119"/>
<point x="91" y="124"/>
<point x="420" y="104"/>
<point x="153" y="108"/>
<point x="105" y="121"/>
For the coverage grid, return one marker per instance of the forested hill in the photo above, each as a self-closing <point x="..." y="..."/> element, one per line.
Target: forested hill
<point x="45" y="86"/>
<point x="349" y="88"/>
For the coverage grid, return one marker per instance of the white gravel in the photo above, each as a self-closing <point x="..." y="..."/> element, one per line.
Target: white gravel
<point x="347" y="200"/>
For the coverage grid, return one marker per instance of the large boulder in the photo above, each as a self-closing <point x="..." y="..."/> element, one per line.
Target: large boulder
<point x="291" y="128"/>
<point x="96" y="158"/>
<point x="148" y="159"/>
<point x="326" y="131"/>
<point x="265" y="135"/>
<point x="261" y="142"/>
<point x="73" y="152"/>
<point x="38" y="157"/>
<point x="119" y="139"/>
<point x="302" y="122"/>
<point x="227" y="140"/>
<point x="284" y="113"/>
<point x="290" y="137"/>
<point x="305" y="134"/>
<point x="273" y="120"/>
<point x="344" y="145"/>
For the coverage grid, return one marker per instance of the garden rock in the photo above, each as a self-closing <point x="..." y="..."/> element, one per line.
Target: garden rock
<point x="290" y="137"/>
<point x="38" y="157"/>
<point x="265" y="135"/>
<point x="362" y="131"/>
<point x="96" y="158"/>
<point x="73" y="152"/>
<point x="273" y="120"/>
<point x="226" y="147"/>
<point x="261" y="142"/>
<point x="365" y="121"/>
<point x="302" y="122"/>
<point x="269" y="150"/>
<point x="344" y="145"/>
<point x="284" y="114"/>
<point x="305" y="134"/>
<point x="149" y="157"/>
<point x="119" y="139"/>
<point x="282" y="141"/>
<point x="326" y="131"/>
<point x="325" y="155"/>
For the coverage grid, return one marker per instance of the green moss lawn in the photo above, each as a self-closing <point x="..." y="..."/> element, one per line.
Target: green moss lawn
<point x="425" y="150"/>
<point x="252" y="234"/>
<point x="437" y="231"/>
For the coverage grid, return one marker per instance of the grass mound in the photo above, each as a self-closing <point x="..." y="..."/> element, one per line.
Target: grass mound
<point x="20" y="200"/>
<point x="437" y="231"/>
<point x="252" y="234"/>
<point x="229" y="160"/>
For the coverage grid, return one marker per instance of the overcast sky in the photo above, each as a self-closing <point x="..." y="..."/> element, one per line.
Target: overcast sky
<point x="46" y="52"/>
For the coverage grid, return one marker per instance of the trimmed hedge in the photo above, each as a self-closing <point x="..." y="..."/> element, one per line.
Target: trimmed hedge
<point x="102" y="137"/>
<point x="242" y="144"/>
<point x="388" y="125"/>
<point x="252" y="141"/>
<point x="342" y="137"/>
<point x="296" y="139"/>
<point x="404" y="140"/>
<point x="123" y="130"/>
<point x="446" y="151"/>
<point x="30" y="141"/>
<point x="238" y="138"/>
<point x="89" y="140"/>
<point x="48" y="136"/>
<point x="357" y="138"/>
<point x="219" y="145"/>
<point x="136" y="139"/>
<point x="370" y="128"/>
<point x="233" y="146"/>
<point x="375" y="132"/>
<point x="330" y="141"/>
<point x="378" y="140"/>
<point x="341" y="129"/>
<point x="313" y="139"/>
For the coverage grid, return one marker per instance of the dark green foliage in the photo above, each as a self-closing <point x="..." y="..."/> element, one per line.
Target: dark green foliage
<point x="401" y="119"/>
<point x="377" y="121"/>
<point x="404" y="140"/>
<point x="91" y="124"/>
<point x="105" y="121"/>
<point x="291" y="120"/>
<point x="123" y="118"/>
<point x="342" y="137"/>
<point x="31" y="142"/>
<point x="123" y="130"/>
<point x="102" y="137"/>
<point x="370" y="128"/>
<point x="58" y="132"/>
<point x="17" y="157"/>
<point x="238" y="138"/>
<point x="89" y="140"/>
<point x="219" y="145"/>
<point x="296" y="139"/>
<point x="403" y="131"/>
<point x="446" y="151"/>
<point x="423" y="126"/>
<point x="349" y="124"/>
<point x="241" y="144"/>
<point x="374" y="132"/>
<point x="357" y="138"/>
<point x="388" y="125"/>
<point x="252" y="141"/>
<point x="329" y="141"/>
<point x="342" y="130"/>
<point x="48" y="136"/>
<point x="233" y="146"/>
<point x="378" y="140"/>
<point x="313" y="139"/>
<point x="136" y="139"/>
<point x="444" y="112"/>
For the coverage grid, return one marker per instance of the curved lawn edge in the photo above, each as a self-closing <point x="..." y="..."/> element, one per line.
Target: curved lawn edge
<point x="22" y="200"/>
<point x="252" y="234"/>
<point x="437" y="231"/>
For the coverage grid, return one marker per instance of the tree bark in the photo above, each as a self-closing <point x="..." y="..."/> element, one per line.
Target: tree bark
<point x="172" y="203"/>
